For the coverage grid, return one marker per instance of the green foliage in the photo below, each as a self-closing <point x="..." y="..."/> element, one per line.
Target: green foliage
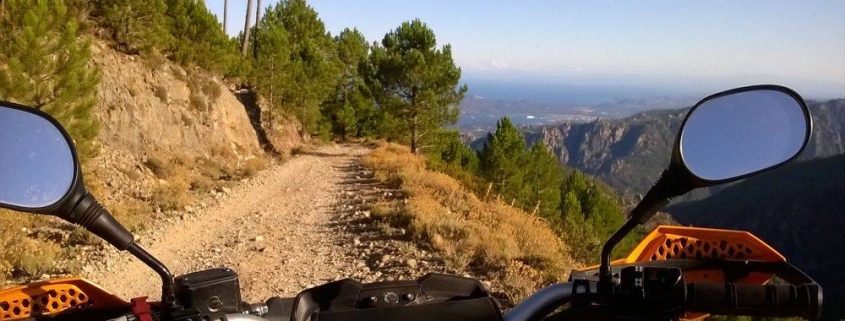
<point x="310" y="66"/>
<point x="350" y="109"/>
<point x="44" y="64"/>
<point x="446" y="153"/>
<point x="198" y="38"/>
<point x="503" y="160"/>
<point x="590" y="214"/>
<point x="272" y="60"/>
<point x="134" y="26"/>
<point x="541" y="182"/>
<point x="414" y="81"/>
<point x="184" y="30"/>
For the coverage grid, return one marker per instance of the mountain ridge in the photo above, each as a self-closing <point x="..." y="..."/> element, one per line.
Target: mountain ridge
<point x="630" y="153"/>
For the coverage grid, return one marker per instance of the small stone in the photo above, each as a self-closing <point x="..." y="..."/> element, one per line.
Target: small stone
<point x="258" y="238"/>
<point x="411" y="263"/>
<point x="385" y="258"/>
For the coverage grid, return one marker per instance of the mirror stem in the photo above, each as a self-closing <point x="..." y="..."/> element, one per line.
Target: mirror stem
<point x="667" y="187"/>
<point x="89" y="214"/>
<point x="168" y="296"/>
<point x="605" y="277"/>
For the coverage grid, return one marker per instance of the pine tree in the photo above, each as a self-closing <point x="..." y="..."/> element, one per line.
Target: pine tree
<point x="312" y="63"/>
<point x="44" y="63"/>
<point x="503" y="160"/>
<point x="197" y="38"/>
<point x="542" y="181"/>
<point x="414" y="81"/>
<point x="135" y="26"/>
<point x="350" y="100"/>
<point x="269" y="76"/>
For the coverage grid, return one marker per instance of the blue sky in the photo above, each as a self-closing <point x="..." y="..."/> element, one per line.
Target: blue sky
<point x="678" y="44"/>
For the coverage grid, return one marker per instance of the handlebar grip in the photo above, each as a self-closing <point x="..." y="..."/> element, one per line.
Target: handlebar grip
<point x="803" y="300"/>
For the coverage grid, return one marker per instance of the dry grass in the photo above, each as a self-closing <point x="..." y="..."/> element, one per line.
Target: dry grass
<point x="304" y="149"/>
<point x="253" y="166"/>
<point x="516" y="248"/>
<point x="23" y="256"/>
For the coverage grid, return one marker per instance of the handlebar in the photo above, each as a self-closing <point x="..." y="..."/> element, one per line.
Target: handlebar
<point x="545" y="301"/>
<point x="804" y="300"/>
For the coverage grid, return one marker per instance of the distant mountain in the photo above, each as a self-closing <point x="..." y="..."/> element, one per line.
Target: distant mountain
<point x="799" y="209"/>
<point x="480" y="113"/>
<point x="629" y="153"/>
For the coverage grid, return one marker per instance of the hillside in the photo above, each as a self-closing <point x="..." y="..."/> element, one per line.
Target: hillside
<point x="170" y="138"/>
<point x="789" y="208"/>
<point x="629" y="153"/>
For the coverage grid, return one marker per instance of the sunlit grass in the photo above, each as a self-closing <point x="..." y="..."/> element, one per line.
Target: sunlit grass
<point x="489" y="237"/>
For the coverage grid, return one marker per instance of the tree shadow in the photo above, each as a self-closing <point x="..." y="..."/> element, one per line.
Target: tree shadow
<point x="249" y="99"/>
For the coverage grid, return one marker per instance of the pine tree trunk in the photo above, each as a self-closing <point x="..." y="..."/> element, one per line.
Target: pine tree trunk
<point x="414" y="136"/>
<point x="245" y="45"/>
<point x="225" y="14"/>
<point x="255" y="40"/>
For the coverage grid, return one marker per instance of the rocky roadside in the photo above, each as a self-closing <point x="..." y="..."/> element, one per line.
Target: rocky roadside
<point x="293" y="226"/>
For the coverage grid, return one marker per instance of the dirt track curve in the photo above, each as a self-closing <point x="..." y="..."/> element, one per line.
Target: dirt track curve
<point x="296" y="225"/>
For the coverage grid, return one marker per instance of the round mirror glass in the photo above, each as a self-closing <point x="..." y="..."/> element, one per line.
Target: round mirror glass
<point x="741" y="133"/>
<point x="37" y="166"/>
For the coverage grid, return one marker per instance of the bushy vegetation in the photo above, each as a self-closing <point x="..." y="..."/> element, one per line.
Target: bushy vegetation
<point x="582" y="210"/>
<point x="489" y="237"/>
<point x="183" y="30"/>
<point x="44" y="64"/>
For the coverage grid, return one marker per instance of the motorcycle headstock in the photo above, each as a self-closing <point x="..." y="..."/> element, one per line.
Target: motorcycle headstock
<point x="725" y="137"/>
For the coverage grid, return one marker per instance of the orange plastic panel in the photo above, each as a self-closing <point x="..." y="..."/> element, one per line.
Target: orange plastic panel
<point x="678" y="242"/>
<point x="53" y="297"/>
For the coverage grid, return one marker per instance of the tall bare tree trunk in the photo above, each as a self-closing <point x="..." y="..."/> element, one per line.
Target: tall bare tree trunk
<point x="258" y="12"/>
<point x="245" y="45"/>
<point x="255" y="40"/>
<point x="225" y="14"/>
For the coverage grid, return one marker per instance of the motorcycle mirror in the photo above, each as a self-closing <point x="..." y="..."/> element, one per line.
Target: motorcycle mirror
<point x="725" y="137"/>
<point x="735" y="135"/>
<point x="38" y="165"/>
<point x="40" y="173"/>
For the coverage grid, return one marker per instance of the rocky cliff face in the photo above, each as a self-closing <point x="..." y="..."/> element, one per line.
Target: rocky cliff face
<point x="626" y="153"/>
<point x="170" y="134"/>
<point x="629" y="153"/>
<point x="164" y="107"/>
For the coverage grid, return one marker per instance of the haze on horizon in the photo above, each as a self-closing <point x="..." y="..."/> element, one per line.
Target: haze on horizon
<point x="678" y="47"/>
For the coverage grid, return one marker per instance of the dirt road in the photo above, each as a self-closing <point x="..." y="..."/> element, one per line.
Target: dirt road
<point x="293" y="226"/>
